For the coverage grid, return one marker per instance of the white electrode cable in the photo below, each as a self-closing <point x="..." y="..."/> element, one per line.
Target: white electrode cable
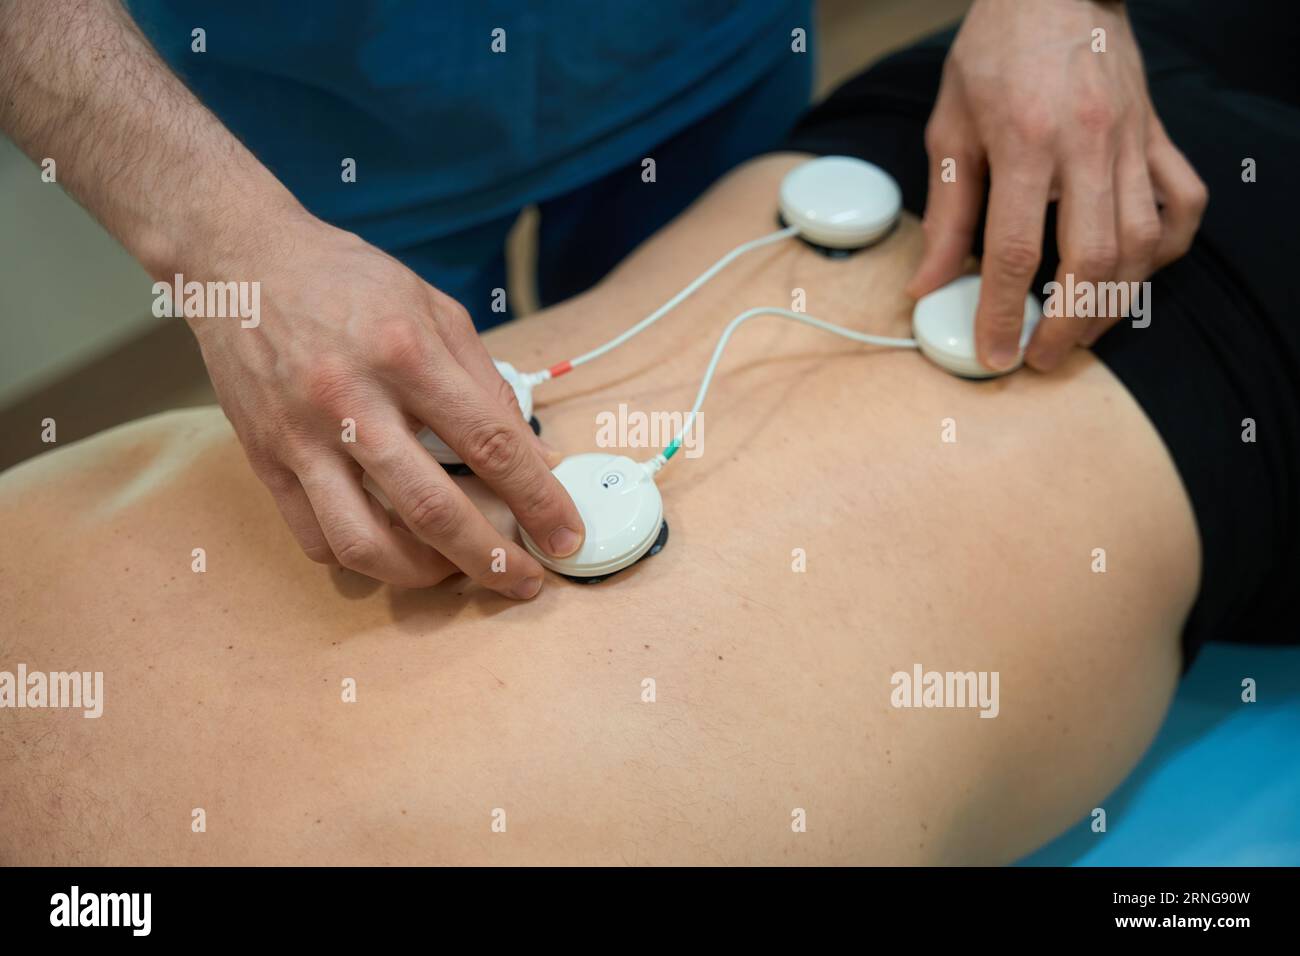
<point x="536" y="378"/>
<point x="658" y="461"/>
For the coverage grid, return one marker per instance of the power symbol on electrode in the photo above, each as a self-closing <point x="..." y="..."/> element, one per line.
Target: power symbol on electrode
<point x="610" y="480"/>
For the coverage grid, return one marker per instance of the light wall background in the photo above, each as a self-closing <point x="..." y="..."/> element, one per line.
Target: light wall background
<point x="68" y="291"/>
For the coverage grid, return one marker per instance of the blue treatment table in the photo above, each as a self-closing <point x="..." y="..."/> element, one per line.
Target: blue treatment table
<point x="1220" y="785"/>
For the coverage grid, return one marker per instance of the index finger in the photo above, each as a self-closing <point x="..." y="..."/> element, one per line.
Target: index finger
<point x="465" y="345"/>
<point x="500" y="449"/>
<point x="1013" y="243"/>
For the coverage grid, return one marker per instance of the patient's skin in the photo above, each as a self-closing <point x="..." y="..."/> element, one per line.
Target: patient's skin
<point x="772" y="687"/>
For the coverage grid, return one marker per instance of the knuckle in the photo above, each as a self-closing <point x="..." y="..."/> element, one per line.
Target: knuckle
<point x="452" y="318"/>
<point x="1033" y="127"/>
<point x="330" y="387"/>
<point x="399" y="344"/>
<point x="458" y="316"/>
<point x="1143" y="235"/>
<point x="1016" y="258"/>
<point x="493" y="450"/>
<point x="433" y="513"/>
<point x="358" y="552"/>
<point x="385" y="449"/>
<point x="1097" y="258"/>
<point x="537" y="497"/>
<point x="1094" y="114"/>
<point x="1003" y="326"/>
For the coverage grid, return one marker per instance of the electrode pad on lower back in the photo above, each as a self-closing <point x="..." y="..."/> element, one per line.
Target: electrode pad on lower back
<point x="523" y="393"/>
<point x="621" y="510"/>
<point x="943" y="323"/>
<point x="840" y="202"/>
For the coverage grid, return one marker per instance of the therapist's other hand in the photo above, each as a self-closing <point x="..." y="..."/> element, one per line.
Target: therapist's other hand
<point x="1025" y="99"/>
<point x="349" y="335"/>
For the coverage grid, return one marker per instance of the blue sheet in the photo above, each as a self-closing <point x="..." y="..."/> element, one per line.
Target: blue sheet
<point x="1220" y="785"/>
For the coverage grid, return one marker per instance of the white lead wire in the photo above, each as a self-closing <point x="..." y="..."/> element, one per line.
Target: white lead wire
<point x="654" y="464"/>
<point x="674" y="302"/>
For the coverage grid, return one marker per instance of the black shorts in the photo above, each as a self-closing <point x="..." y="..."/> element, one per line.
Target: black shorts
<point x="1223" y="346"/>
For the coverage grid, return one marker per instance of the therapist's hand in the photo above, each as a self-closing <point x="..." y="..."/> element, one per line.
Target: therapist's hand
<point x="348" y="334"/>
<point x="345" y="332"/>
<point x="1025" y="100"/>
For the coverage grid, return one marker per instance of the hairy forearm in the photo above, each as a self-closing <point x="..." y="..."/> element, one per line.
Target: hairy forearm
<point x="80" y="84"/>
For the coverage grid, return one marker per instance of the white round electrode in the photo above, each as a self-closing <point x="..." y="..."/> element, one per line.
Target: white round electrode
<point x="840" y="202"/>
<point x="620" y="506"/>
<point x="943" y="324"/>
<point x="523" y="393"/>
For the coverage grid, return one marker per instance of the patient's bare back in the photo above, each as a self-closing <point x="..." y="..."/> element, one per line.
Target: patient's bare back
<point x="854" y="516"/>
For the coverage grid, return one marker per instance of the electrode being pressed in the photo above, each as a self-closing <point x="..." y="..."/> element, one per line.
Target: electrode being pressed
<point x="944" y="325"/>
<point x="620" y="506"/>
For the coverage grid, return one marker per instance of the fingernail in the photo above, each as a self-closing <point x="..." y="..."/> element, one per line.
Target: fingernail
<point x="1002" y="357"/>
<point x="527" y="588"/>
<point x="563" y="542"/>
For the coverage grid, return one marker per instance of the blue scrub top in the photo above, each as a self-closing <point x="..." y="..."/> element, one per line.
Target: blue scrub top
<point x="445" y="132"/>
